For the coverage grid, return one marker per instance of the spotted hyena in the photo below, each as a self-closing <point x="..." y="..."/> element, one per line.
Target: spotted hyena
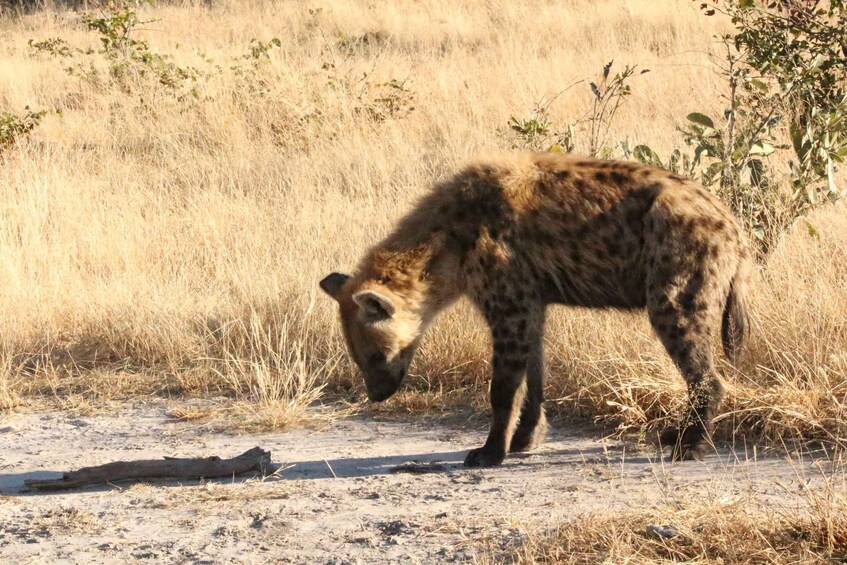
<point x="519" y="232"/>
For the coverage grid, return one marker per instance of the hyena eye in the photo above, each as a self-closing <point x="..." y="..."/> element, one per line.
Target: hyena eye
<point x="377" y="358"/>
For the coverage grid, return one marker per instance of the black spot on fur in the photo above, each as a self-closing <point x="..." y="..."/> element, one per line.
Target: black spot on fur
<point x="576" y="257"/>
<point x="619" y="178"/>
<point x="675" y="332"/>
<point x="686" y="301"/>
<point x="613" y="247"/>
<point x="512" y="310"/>
<point x="520" y="328"/>
<point x="682" y="351"/>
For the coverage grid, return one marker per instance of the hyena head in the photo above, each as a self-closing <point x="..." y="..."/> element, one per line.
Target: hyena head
<point x="381" y="332"/>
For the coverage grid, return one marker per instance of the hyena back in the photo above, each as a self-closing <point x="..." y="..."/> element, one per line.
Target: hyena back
<point x="519" y="232"/>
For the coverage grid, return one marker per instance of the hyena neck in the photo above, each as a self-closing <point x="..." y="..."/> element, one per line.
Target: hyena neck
<point x="423" y="271"/>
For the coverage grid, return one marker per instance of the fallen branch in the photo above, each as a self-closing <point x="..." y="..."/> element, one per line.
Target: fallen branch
<point x="256" y="459"/>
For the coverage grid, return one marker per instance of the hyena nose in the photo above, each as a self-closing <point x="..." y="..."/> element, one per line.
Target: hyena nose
<point x="378" y="396"/>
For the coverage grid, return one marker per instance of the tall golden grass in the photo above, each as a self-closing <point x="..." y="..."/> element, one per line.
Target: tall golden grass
<point x="151" y="245"/>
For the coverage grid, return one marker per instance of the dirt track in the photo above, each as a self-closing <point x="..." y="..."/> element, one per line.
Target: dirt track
<point x="334" y="498"/>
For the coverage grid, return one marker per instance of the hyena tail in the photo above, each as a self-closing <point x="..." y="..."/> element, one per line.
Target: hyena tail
<point x="736" y="317"/>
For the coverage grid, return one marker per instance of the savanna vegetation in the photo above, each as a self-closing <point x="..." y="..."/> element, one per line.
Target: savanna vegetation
<point x="178" y="176"/>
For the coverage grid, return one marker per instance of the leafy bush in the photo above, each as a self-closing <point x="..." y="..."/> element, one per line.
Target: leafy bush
<point x="261" y="50"/>
<point x="378" y="101"/>
<point x="13" y="127"/>
<point x="248" y="67"/>
<point x="609" y="92"/>
<point x="55" y="46"/>
<point x="129" y="59"/>
<point x="772" y="154"/>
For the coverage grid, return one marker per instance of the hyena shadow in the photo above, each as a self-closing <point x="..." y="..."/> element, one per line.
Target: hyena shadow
<point x="352" y="467"/>
<point x="449" y="462"/>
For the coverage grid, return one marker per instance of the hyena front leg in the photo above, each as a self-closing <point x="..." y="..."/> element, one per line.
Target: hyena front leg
<point x="516" y="331"/>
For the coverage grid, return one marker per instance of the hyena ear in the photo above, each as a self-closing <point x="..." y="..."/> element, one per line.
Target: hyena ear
<point x="375" y="305"/>
<point x="332" y="284"/>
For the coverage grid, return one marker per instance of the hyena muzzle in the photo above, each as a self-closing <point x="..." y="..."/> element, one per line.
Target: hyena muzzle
<point x="519" y="232"/>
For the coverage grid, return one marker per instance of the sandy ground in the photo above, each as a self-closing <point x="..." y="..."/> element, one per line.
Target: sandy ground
<point x="334" y="497"/>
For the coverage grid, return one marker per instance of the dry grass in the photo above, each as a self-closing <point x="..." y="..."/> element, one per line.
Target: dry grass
<point x="64" y="519"/>
<point x="160" y="246"/>
<point x="723" y="530"/>
<point x="208" y="496"/>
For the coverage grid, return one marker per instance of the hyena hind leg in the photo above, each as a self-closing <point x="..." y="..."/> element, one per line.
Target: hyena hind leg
<point x="688" y="342"/>
<point x="692" y="438"/>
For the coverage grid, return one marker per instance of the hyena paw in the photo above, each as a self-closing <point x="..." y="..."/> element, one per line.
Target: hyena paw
<point x="686" y="444"/>
<point x="527" y="439"/>
<point x="523" y="442"/>
<point x="484" y="457"/>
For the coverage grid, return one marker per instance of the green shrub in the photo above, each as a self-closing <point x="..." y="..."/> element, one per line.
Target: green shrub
<point x="772" y="154"/>
<point x="537" y="131"/>
<point x="14" y="127"/>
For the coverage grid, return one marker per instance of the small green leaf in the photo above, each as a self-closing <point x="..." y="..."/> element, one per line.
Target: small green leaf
<point x="801" y="145"/>
<point x="812" y="230"/>
<point x="643" y="154"/>
<point x="759" y="85"/>
<point x="757" y="172"/>
<point x="712" y="173"/>
<point x="763" y="148"/>
<point x="556" y="148"/>
<point x="701" y="119"/>
<point x="698" y="153"/>
<point x="596" y="90"/>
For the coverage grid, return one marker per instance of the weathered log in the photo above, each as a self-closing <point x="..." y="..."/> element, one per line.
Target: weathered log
<point x="256" y="459"/>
